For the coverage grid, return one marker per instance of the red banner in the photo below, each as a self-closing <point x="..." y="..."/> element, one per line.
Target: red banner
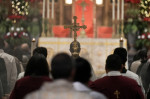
<point x="88" y="15"/>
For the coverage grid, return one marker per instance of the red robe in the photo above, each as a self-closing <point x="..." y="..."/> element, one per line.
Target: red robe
<point x="27" y="85"/>
<point x="118" y="87"/>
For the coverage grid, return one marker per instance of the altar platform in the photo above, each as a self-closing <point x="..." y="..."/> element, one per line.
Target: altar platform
<point x="95" y="50"/>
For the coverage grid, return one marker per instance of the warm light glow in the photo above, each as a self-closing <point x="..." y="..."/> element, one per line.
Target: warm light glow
<point x="121" y="39"/>
<point x="68" y="1"/>
<point x="99" y="2"/>
<point x="33" y="39"/>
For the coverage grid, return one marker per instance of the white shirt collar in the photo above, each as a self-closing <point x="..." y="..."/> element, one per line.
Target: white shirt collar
<point x="114" y="73"/>
<point x="80" y="87"/>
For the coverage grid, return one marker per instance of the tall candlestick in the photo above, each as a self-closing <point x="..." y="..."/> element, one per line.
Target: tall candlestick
<point x="121" y="42"/>
<point x="122" y="15"/>
<point x="43" y="9"/>
<point x="113" y="10"/>
<point x="33" y="45"/>
<point x="48" y="9"/>
<point x="53" y="9"/>
<point x="118" y="10"/>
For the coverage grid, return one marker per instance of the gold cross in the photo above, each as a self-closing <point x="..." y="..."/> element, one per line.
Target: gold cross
<point x="75" y="27"/>
<point x="117" y="94"/>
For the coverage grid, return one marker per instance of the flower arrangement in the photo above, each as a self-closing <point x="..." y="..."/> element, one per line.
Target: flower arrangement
<point x="16" y="36"/>
<point x="145" y="8"/>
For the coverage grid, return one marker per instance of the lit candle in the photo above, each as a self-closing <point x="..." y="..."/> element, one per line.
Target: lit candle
<point x="122" y="15"/>
<point x="43" y="9"/>
<point x="118" y="10"/>
<point x="121" y="42"/>
<point x="113" y="10"/>
<point x="48" y="9"/>
<point x="33" y="45"/>
<point x="52" y="9"/>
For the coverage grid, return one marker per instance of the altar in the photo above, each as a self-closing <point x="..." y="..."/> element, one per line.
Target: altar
<point x="95" y="50"/>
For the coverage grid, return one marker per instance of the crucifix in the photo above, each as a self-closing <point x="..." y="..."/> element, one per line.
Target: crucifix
<point x="75" y="27"/>
<point x="117" y="94"/>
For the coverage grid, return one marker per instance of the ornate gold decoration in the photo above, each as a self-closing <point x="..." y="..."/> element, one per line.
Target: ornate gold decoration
<point x="75" y="45"/>
<point x="75" y="27"/>
<point x="117" y="94"/>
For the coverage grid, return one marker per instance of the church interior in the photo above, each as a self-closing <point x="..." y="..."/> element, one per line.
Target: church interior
<point x="109" y="24"/>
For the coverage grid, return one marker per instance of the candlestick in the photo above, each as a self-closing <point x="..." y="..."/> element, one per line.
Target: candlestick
<point x="122" y="15"/>
<point x="48" y="9"/>
<point x="118" y="10"/>
<point x="113" y="10"/>
<point x="52" y="9"/>
<point x="33" y="45"/>
<point x="43" y="9"/>
<point x="121" y="42"/>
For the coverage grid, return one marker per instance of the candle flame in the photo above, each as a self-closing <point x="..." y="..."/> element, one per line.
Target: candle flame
<point x="121" y="39"/>
<point x="33" y="39"/>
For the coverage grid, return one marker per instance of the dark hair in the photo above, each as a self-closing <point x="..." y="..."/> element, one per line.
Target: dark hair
<point x="2" y="44"/>
<point x="83" y="70"/>
<point x="113" y="62"/>
<point x="143" y="56"/>
<point x="122" y="52"/>
<point x="40" y="50"/>
<point x="37" y="66"/>
<point x="61" y="66"/>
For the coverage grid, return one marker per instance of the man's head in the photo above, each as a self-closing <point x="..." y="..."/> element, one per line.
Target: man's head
<point x="62" y="67"/>
<point x="40" y="50"/>
<point x="2" y="44"/>
<point x="113" y="63"/>
<point x="83" y="70"/>
<point x="122" y="52"/>
<point x="75" y="49"/>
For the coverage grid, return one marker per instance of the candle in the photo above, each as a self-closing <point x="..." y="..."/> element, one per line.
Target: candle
<point x="43" y="9"/>
<point x="118" y="10"/>
<point x="122" y="15"/>
<point x="113" y="10"/>
<point x="33" y="45"/>
<point x="48" y="9"/>
<point x="121" y="42"/>
<point x="52" y="9"/>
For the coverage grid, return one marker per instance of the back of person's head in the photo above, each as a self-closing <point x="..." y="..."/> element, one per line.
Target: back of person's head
<point x="40" y="50"/>
<point x="113" y="62"/>
<point x="62" y="66"/>
<point x="37" y="66"/>
<point x="143" y="55"/>
<point x="2" y="44"/>
<point x="122" y="52"/>
<point x="83" y="70"/>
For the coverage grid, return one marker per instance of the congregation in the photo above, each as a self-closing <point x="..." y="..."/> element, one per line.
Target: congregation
<point x="69" y="77"/>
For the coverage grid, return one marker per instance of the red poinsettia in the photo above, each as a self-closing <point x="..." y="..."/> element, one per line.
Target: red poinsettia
<point x="143" y="36"/>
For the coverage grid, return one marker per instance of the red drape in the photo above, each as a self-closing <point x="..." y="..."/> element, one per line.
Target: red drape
<point x="59" y="31"/>
<point x="133" y="1"/>
<point x="104" y="32"/>
<point x="88" y="15"/>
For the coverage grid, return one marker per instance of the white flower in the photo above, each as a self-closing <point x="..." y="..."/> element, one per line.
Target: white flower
<point x="143" y="36"/>
<point x="139" y="37"/>
<point x="17" y="29"/>
<point x="15" y="34"/>
<point x="148" y="36"/>
<point x="8" y="34"/>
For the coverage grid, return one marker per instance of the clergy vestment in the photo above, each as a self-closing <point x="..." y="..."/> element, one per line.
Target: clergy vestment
<point x="58" y="89"/>
<point x="26" y="85"/>
<point x="82" y="88"/>
<point x="116" y="86"/>
<point x="11" y="69"/>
